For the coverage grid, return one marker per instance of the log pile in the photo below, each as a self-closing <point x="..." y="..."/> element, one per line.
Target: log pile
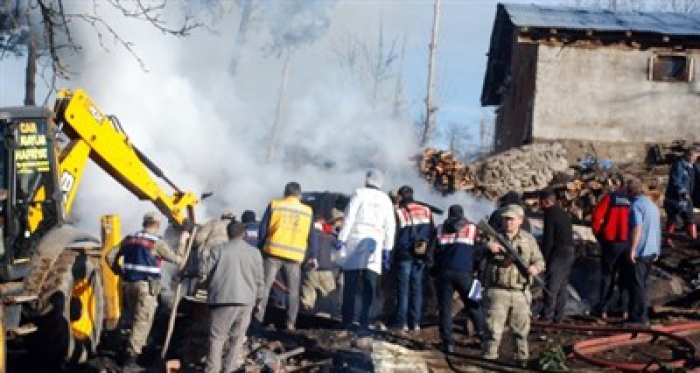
<point x="532" y="168"/>
<point x="528" y="168"/>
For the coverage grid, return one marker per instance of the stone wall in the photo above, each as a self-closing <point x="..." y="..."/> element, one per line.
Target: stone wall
<point x="605" y="94"/>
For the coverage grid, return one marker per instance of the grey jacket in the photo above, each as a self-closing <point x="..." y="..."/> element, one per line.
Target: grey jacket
<point x="235" y="273"/>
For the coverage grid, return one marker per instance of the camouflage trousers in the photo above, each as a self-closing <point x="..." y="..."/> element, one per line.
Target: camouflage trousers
<point x="317" y="281"/>
<point x="140" y="305"/>
<point x="507" y="306"/>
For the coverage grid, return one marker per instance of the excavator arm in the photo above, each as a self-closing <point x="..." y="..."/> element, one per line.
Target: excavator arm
<point x="94" y="136"/>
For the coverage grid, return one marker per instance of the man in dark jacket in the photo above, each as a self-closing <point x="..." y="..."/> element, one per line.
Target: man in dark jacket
<point x="415" y="229"/>
<point x="496" y="218"/>
<point x="558" y="253"/>
<point x="610" y="226"/>
<point x="453" y="259"/>
<point x="678" y="199"/>
<point x="236" y="285"/>
<point x="251" y="227"/>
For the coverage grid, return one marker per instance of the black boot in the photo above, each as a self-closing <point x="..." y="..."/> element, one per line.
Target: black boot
<point x="131" y="363"/>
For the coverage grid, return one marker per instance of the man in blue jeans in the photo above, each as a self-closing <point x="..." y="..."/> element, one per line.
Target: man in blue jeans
<point x="415" y="229"/>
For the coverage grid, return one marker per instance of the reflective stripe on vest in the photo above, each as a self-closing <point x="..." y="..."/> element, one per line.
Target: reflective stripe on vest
<point x="290" y="223"/>
<point x="141" y="268"/>
<point x="413" y="214"/>
<point x="139" y="261"/>
<point x="466" y="235"/>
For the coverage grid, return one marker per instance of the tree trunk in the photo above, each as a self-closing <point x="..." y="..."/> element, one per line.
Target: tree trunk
<point x="280" y="104"/>
<point x="430" y="99"/>
<point x="30" y="77"/>
<point x="246" y="11"/>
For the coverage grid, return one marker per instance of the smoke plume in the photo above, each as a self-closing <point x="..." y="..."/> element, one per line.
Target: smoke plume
<point x="208" y="129"/>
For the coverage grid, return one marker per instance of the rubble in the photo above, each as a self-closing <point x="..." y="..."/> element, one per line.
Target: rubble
<point x="388" y="357"/>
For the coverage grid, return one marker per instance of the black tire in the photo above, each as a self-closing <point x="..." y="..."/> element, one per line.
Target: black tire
<point x="70" y="310"/>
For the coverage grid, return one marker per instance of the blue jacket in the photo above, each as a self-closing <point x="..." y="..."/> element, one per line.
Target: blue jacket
<point x="680" y="183"/>
<point x="251" y="233"/>
<point x="140" y="263"/>
<point x="414" y="222"/>
<point x="454" y="245"/>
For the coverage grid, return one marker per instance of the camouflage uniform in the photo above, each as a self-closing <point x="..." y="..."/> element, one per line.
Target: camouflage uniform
<point x="212" y="233"/>
<point x="508" y="297"/>
<point x="141" y="300"/>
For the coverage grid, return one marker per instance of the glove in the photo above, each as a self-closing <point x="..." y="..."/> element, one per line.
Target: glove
<point x="386" y="259"/>
<point x="312" y="264"/>
<point x="339" y="245"/>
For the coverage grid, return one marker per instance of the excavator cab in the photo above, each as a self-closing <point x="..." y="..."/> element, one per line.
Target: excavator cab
<point x="29" y="197"/>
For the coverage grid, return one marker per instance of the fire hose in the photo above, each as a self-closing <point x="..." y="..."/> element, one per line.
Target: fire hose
<point x="630" y="336"/>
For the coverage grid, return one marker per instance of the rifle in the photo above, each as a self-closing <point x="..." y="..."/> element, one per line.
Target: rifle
<point x="510" y="252"/>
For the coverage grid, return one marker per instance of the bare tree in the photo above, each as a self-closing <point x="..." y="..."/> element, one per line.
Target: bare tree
<point x="243" y="25"/>
<point x="371" y="66"/>
<point x="45" y="29"/>
<point x="459" y="140"/>
<point x="430" y="106"/>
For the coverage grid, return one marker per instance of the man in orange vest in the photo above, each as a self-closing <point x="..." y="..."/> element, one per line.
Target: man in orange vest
<point x="285" y="233"/>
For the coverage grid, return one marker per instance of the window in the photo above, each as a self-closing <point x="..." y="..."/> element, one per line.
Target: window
<point x="671" y="68"/>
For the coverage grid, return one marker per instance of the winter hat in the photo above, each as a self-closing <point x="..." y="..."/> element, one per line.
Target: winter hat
<point x="375" y="178"/>
<point x="513" y="211"/>
<point x="455" y="212"/>
<point x="510" y="198"/>
<point x="248" y="216"/>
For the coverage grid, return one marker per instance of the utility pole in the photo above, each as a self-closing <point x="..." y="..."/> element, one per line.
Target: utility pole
<point x="430" y="99"/>
<point x="280" y="104"/>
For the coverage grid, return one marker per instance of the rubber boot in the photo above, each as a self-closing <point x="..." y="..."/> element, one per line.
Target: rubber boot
<point x="670" y="229"/>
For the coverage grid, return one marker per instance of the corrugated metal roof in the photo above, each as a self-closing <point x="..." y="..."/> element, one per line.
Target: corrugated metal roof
<point x="530" y="15"/>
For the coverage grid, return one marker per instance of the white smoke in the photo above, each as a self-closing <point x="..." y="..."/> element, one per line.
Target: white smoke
<point x="209" y="131"/>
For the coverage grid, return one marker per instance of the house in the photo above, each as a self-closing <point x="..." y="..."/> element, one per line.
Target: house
<point x="609" y="81"/>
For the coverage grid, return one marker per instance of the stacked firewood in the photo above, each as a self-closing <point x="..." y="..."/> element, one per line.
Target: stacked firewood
<point x="445" y="172"/>
<point x="532" y="168"/>
<point x="527" y="168"/>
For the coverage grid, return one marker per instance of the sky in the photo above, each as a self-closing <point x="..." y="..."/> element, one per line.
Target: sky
<point x="210" y="130"/>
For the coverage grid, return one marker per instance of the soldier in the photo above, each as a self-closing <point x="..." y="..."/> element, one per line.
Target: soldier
<point x="142" y="252"/>
<point x="213" y="233"/>
<point x="507" y="297"/>
<point x="414" y="230"/>
<point x="453" y="258"/>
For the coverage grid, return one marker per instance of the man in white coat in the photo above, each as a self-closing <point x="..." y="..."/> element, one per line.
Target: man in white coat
<point x="365" y="241"/>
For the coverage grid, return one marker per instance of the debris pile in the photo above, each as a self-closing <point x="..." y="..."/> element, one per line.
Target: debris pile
<point x="580" y="188"/>
<point x="528" y="168"/>
<point x="532" y="168"/>
<point x="389" y="357"/>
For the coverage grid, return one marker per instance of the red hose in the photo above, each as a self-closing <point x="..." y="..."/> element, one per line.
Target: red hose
<point x="584" y="348"/>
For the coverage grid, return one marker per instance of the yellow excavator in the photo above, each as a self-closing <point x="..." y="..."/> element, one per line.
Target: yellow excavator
<point x="55" y="287"/>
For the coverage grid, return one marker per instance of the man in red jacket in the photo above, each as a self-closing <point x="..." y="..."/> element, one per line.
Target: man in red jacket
<point x="610" y="225"/>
